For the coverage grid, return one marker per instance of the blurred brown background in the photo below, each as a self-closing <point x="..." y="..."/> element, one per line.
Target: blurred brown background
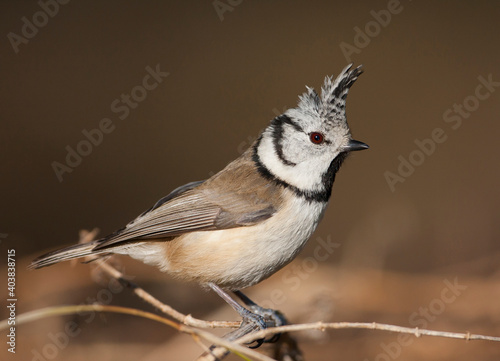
<point x="232" y="67"/>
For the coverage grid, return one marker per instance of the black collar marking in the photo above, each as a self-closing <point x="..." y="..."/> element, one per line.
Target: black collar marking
<point x="312" y="196"/>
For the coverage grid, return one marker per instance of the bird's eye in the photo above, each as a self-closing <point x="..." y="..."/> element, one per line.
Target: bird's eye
<point x="316" y="138"/>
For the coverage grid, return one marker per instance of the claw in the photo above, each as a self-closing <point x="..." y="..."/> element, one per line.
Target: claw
<point x="251" y="318"/>
<point x="278" y="319"/>
<point x="259" y="342"/>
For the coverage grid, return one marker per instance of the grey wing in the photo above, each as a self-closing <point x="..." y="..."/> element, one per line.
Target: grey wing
<point x="188" y="209"/>
<point x="175" y="193"/>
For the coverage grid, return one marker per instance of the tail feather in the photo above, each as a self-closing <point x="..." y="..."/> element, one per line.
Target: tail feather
<point x="66" y="254"/>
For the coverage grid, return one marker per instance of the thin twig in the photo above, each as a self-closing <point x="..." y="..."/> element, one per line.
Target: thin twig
<point x="77" y="309"/>
<point x="218" y="352"/>
<point x="363" y="325"/>
<point x="166" y="309"/>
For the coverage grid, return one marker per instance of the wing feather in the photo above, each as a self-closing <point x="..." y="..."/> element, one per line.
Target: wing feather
<point x="189" y="209"/>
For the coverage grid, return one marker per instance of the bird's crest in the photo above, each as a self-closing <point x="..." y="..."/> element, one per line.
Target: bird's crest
<point x="331" y="105"/>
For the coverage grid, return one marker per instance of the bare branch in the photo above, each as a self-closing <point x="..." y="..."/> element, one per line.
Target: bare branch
<point x="218" y="352"/>
<point x="364" y="325"/>
<point x="77" y="309"/>
<point x="166" y="309"/>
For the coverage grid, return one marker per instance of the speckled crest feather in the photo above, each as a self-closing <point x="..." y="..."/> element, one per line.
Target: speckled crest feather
<point x="331" y="105"/>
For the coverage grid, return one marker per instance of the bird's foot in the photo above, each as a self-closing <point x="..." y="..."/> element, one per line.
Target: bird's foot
<point x="255" y="322"/>
<point x="254" y="318"/>
<point x="273" y="318"/>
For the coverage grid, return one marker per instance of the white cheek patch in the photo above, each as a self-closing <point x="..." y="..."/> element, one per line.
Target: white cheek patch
<point x="306" y="175"/>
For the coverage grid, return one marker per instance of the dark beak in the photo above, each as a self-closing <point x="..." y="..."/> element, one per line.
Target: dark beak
<point x="356" y="145"/>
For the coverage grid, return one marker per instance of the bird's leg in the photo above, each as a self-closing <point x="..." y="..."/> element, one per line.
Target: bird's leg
<point x="251" y="321"/>
<point x="267" y="313"/>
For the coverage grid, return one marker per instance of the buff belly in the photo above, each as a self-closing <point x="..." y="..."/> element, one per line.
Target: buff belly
<point x="234" y="258"/>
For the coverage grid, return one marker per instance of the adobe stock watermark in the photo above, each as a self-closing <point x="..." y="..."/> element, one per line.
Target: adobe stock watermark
<point x="11" y="299"/>
<point x="454" y="117"/>
<point x="363" y="37"/>
<point x="122" y="107"/>
<point x="60" y="340"/>
<point x="32" y="25"/>
<point x="223" y="6"/>
<point x="245" y="144"/>
<point x="422" y="318"/>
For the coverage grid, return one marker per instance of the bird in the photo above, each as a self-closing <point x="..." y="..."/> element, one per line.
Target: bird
<point x="252" y="218"/>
